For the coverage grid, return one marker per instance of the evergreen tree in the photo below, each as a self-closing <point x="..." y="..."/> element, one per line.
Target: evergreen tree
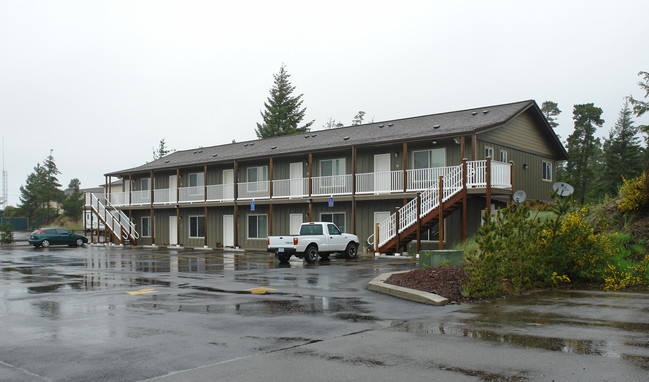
<point x="332" y="123"/>
<point x="639" y="108"/>
<point x="40" y="196"/>
<point x="622" y="153"/>
<point x="283" y="111"/>
<point x="584" y="150"/>
<point x="73" y="202"/>
<point x="358" y="118"/>
<point x="162" y="150"/>
<point x="551" y="110"/>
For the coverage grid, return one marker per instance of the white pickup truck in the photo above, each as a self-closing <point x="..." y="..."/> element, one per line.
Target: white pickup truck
<point x="319" y="238"/>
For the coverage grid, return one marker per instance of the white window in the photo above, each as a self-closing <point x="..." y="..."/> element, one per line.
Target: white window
<point x="331" y="167"/>
<point x="145" y="184"/>
<point x="547" y="170"/>
<point x="145" y="228"/>
<point x="489" y="152"/>
<point x="503" y="156"/>
<point x="338" y="218"/>
<point x="429" y="158"/>
<point x="257" y="226"/>
<point x="197" y="179"/>
<point x="257" y="178"/>
<point x="196" y="227"/>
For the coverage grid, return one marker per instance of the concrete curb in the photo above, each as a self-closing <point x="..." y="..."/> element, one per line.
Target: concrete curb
<point x="379" y="285"/>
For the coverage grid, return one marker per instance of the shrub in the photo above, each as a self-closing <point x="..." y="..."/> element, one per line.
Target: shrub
<point x="634" y="194"/>
<point x="6" y="233"/>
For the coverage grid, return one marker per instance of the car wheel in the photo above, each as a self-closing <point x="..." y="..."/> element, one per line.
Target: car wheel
<point x="352" y="251"/>
<point x="324" y="256"/>
<point x="311" y="254"/>
<point x="79" y="242"/>
<point x="45" y="243"/>
<point x="283" y="258"/>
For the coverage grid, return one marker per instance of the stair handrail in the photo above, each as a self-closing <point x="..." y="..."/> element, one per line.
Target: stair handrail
<point x="117" y="217"/>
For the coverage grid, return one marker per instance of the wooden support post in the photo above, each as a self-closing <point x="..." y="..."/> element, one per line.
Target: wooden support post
<point x="130" y="188"/>
<point x="310" y="179"/>
<point x="405" y="166"/>
<point x="396" y="235"/>
<point x="270" y="220"/>
<point x="270" y="176"/>
<point x="440" y="208"/>
<point x="235" y="177"/>
<point x="418" y="222"/>
<point x="462" y="146"/>
<point x="354" y="190"/>
<point x="205" y="226"/>
<point x="92" y="229"/>
<point x="474" y="147"/>
<point x="463" y="229"/>
<point x="310" y="212"/>
<point x="178" y="226"/>
<point x="488" y="179"/>
<point x="511" y="178"/>
<point x="376" y="238"/>
<point x="205" y="187"/>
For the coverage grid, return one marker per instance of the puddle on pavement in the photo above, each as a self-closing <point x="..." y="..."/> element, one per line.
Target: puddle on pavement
<point x="349" y="309"/>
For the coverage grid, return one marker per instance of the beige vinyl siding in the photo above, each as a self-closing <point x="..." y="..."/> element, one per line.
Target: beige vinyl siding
<point x="521" y="133"/>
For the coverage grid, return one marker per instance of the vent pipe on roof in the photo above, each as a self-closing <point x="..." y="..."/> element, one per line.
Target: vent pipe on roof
<point x="381" y="126"/>
<point x="485" y="112"/>
<point x="474" y="113"/>
<point x="436" y="127"/>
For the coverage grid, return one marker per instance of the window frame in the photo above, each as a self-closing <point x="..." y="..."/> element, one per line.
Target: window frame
<point x="143" y="182"/>
<point x="265" y="216"/>
<point x="545" y="169"/>
<point x="148" y="226"/>
<point x="429" y="157"/>
<point x="344" y="216"/>
<point x="259" y="185"/>
<point x="198" y="227"/>
<point x="504" y="160"/>
<point x="487" y="150"/>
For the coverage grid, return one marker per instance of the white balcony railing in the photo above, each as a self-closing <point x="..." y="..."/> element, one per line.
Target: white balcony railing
<point x="291" y="188"/>
<point x="191" y="194"/>
<point x="164" y="196"/>
<point x="424" y="178"/>
<point x="141" y="197"/>
<point x="220" y="192"/>
<point x="119" y="199"/>
<point x="379" y="182"/>
<point x="254" y="190"/>
<point x="332" y="185"/>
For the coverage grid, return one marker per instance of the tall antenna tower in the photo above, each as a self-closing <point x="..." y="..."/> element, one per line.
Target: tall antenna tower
<point x="3" y="197"/>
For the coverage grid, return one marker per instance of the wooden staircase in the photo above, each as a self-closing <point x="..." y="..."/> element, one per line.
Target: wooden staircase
<point x="115" y="221"/>
<point x="430" y="207"/>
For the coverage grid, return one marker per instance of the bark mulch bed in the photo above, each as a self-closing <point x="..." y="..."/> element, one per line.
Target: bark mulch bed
<point x="443" y="280"/>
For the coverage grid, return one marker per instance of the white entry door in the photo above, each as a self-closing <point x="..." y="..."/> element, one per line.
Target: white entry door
<point x="295" y="223"/>
<point x="228" y="230"/>
<point x="379" y="217"/>
<point x="228" y="184"/>
<point x="297" y="184"/>
<point x="173" y="230"/>
<point x="382" y="173"/>
<point x="173" y="188"/>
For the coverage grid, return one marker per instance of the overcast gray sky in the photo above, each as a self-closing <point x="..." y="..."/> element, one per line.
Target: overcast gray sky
<point x="101" y="82"/>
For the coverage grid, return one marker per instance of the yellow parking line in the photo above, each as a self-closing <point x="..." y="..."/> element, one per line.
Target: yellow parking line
<point x="259" y="290"/>
<point x="142" y="291"/>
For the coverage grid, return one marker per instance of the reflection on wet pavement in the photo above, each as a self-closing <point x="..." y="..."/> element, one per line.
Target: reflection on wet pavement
<point x="579" y="322"/>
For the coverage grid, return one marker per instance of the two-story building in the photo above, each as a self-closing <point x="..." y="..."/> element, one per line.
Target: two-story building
<point x="358" y="176"/>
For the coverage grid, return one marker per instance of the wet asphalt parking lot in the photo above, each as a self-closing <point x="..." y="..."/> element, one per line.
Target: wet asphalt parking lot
<point x="129" y="314"/>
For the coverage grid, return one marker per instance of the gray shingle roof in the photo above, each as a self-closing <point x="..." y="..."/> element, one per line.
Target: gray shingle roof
<point x="428" y="126"/>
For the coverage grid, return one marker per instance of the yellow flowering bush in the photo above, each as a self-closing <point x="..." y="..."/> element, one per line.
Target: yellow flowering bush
<point x="634" y="194"/>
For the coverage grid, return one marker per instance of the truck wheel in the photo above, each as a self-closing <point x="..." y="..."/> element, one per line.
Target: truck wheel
<point x="324" y="256"/>
<point x="283" y="258"/>
<point x="352" y="251"/>
<point x="311" y="254"/>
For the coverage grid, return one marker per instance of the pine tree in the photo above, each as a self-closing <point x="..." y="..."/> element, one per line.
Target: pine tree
<point x="551" y="110"/>
<point x="52" y="193"/>
<point x="73" y="202"/>
<point x="358" y="118"/>
<point x="283" y="111"/>
<point x="162" y="150"/>
<point x="584" y="150"/>
<point x="41" y="194"/>
<point x="622" y="153"/>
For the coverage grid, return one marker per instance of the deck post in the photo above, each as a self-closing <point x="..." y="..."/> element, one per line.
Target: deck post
<point x="270" y="219"/>
<point x="405" y="166"/>
<point x="354" y="190"/>
<point x="418" y="222"/>
<point x="488" y="179"/>
<point x="92" y="229"/>
<point x="376" y="238"/>
<point x="511" y="178"/>
<point x="236" y="206"/>
<point x="440" y="208"/>
<point x="464" y="180"/>
<point x="205" y="226"/>
<point x="396" y="230"/>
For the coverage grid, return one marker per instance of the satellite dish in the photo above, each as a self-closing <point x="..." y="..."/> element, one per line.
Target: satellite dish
<point x="519" y="196"/>
<point x="563" y="189"/>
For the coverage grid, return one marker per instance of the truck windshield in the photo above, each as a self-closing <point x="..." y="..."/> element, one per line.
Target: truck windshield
<point x="311" y="229"/>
